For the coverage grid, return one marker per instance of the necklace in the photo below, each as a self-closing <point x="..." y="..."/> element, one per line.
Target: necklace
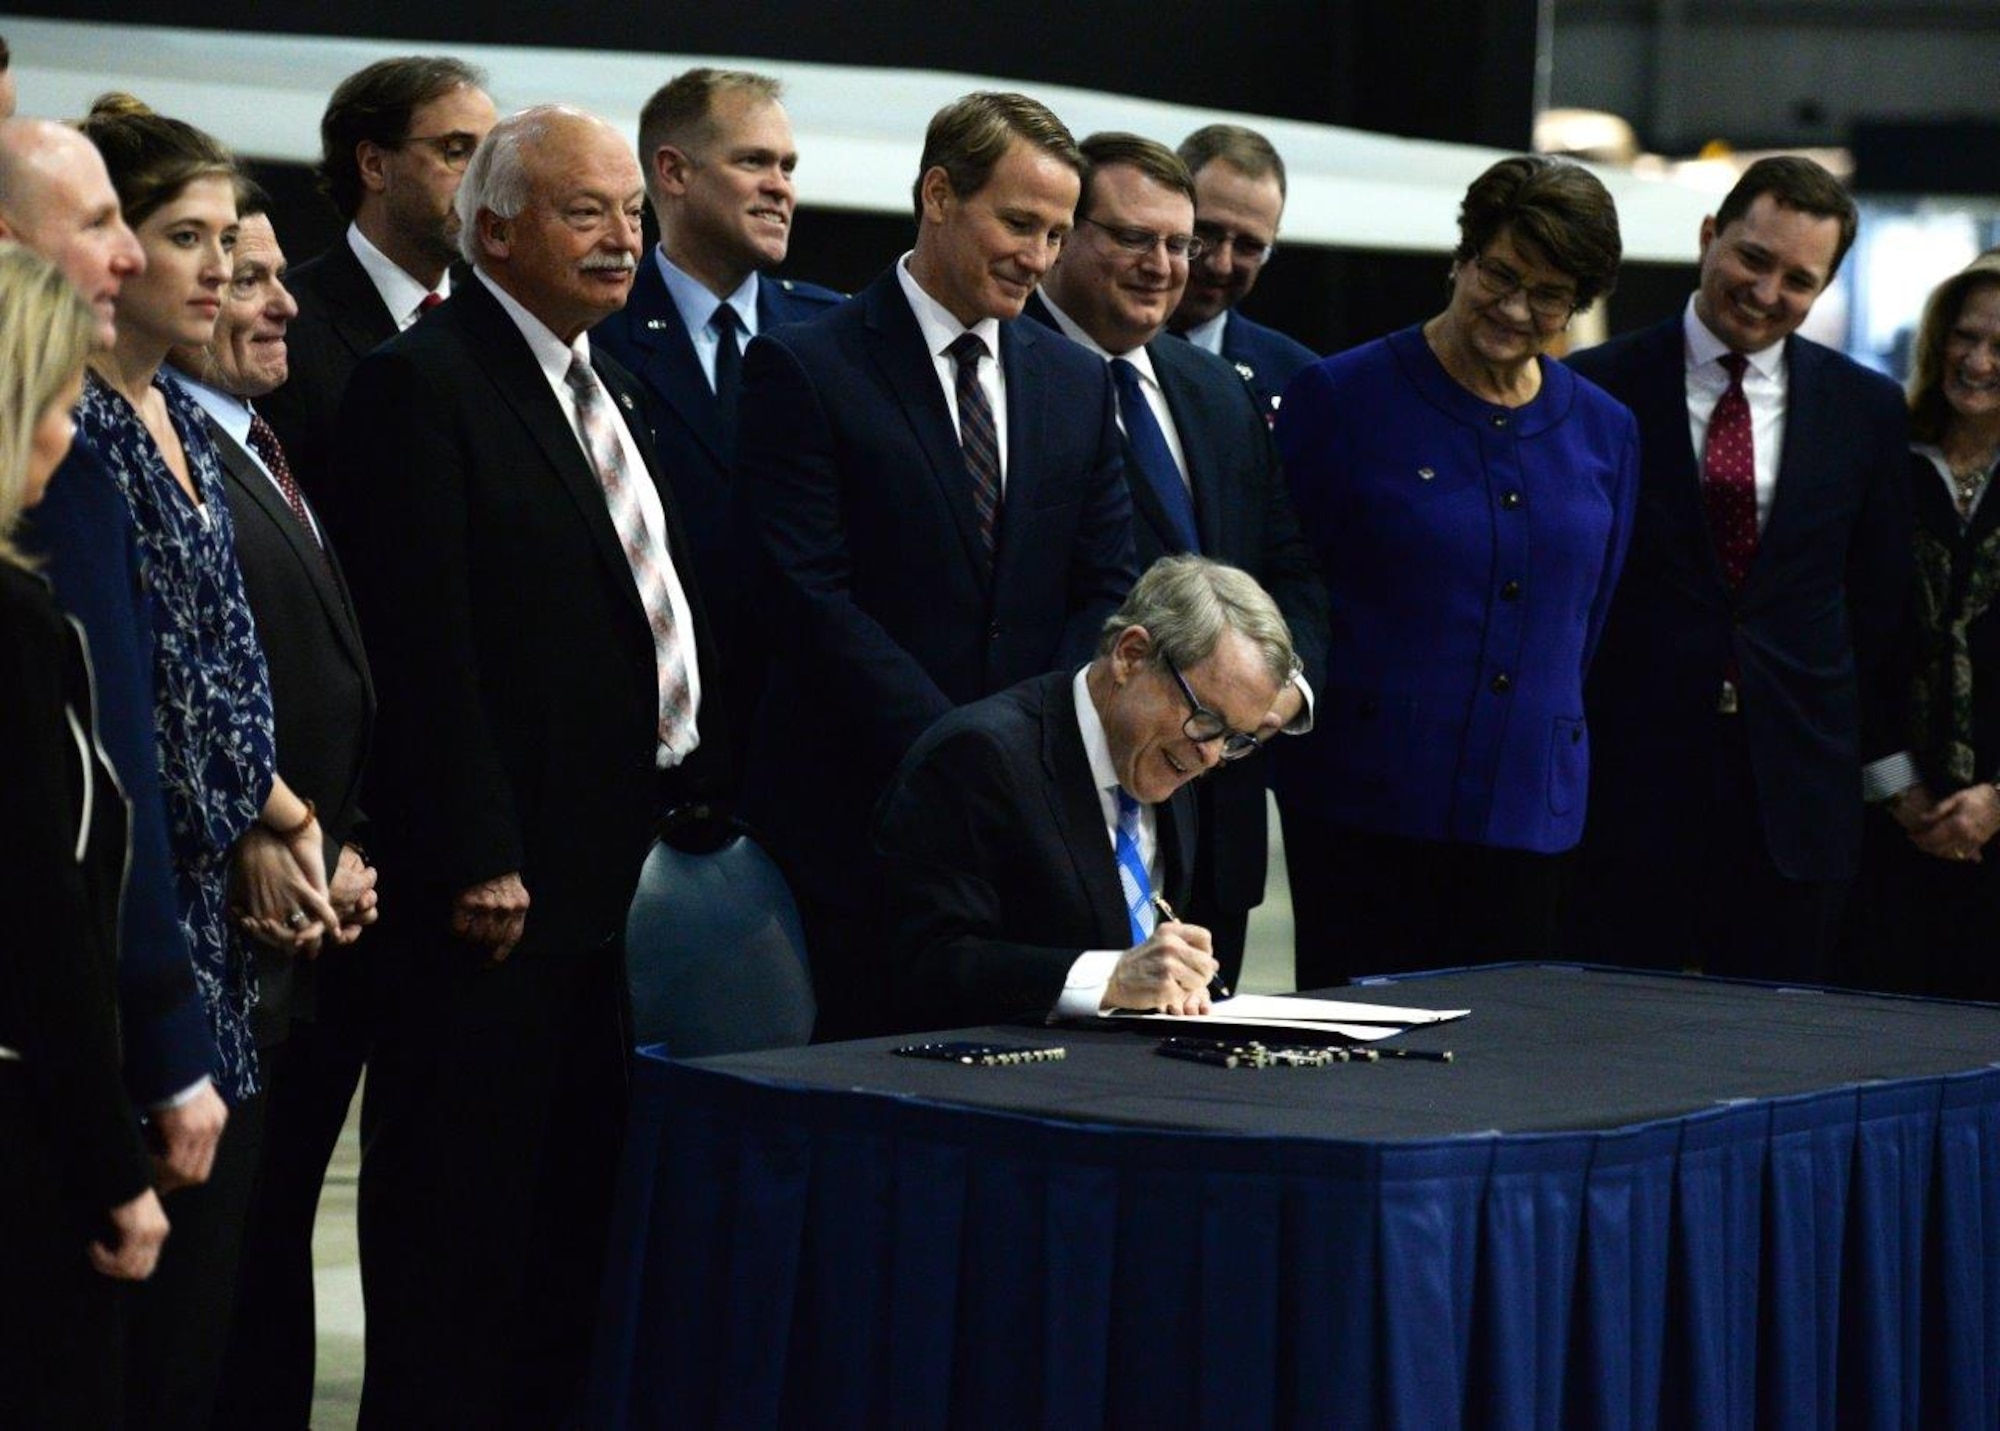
<point x="1968" y="480"/>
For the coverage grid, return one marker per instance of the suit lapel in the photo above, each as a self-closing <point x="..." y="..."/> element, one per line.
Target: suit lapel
<point x="1671" y="472"/>
<point x="1078" y="814"/>
<point x="1028" y="401"/>
<point x="1196" y="424"/>
<point x="1177" y="834"/>
<point x="241" y="471"/>
<point x="671" y="367"/>
<point x="1806" y="436"/>
<point x="504" y="356"/>
<point x="909" y="378"/>
<point x="355" y="310"/>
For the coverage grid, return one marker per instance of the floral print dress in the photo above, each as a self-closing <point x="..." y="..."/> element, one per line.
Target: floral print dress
<point x="211" y="697"/>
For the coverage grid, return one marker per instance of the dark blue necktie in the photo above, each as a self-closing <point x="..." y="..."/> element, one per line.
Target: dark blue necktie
<point x="1155" y="458"/>
<point x="727" y="323"/>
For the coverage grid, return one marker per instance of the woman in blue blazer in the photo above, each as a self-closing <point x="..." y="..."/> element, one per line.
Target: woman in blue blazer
<point x="1469" y="502"/>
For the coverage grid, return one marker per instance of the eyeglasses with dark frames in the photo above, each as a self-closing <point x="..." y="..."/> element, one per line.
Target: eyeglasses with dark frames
<point x="1144" y="241"/>
<point x="1501" y="283"/>
<point x="1203" y="725"/>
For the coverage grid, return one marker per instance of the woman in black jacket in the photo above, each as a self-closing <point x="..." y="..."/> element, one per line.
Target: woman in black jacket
<point x="77" y="1209"/>
<point x="1931" y="890"/>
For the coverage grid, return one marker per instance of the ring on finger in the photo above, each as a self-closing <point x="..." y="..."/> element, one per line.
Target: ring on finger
<point x="296" y="919"/>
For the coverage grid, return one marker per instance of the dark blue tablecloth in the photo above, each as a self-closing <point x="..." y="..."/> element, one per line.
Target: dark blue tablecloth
<point x="1799" y="1227"/>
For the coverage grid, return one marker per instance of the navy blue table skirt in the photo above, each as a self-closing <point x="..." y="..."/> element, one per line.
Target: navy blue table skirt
<point x="1710" y="1205"/>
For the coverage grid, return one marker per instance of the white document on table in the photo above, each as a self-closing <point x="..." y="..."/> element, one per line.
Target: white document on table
<point x="1361" y="1022"/>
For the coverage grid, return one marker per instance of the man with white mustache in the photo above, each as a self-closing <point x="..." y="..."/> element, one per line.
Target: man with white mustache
<point x="717" y="150"/>
<point x="541" y="655"/>
<point x="1739" y="688"/>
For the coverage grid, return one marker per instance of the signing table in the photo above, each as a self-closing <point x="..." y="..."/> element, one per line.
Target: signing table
<point x="1630" y="1200"/>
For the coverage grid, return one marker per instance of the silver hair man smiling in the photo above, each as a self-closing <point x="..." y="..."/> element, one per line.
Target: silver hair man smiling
<point x="540" y="654"/>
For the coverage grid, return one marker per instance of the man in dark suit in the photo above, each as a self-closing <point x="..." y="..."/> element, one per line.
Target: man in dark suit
<point x="540" y="653"/>
<point x="324" y="704"/>
<point x="1738" y="689"/>
<point x="57" y="199"/>
<point x="718" y="153"/>
<point x="394" y="143"/>
<point x="1239" y="197"/>
<point x="1199" y="461"/>
<point x="939" y="492"/>
<point x="1026" y="835"/>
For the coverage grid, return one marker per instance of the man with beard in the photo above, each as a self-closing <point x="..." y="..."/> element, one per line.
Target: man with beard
<point x="394" y="141"/>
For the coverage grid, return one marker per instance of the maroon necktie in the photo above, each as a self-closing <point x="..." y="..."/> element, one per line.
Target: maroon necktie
<point x="430" y="301"/>
<point x="1729" y="476"/>
<point x="264" y="442"/>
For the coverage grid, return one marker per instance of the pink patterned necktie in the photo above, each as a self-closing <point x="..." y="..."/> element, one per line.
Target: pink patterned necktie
<point x="647" y="561"/>
<point x="1729" y="476"/>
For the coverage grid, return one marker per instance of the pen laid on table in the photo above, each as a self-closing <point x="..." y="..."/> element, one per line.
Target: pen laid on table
<point x="1217" y="990"/>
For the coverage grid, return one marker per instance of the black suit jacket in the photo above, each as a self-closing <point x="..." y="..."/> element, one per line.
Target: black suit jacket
<point x="63" y="842"/>
<point x="1809" y="633"/>
<point x="1000" y="865"/>
<point x="514" y="658"/>
<point x="649" y="337"/>
<point x="322" y="695"/>
<point x="883" y="610"/>
<point x="1266" y="359"/>
<point x="341" y="319"/>
<point x="1243" y="514"/>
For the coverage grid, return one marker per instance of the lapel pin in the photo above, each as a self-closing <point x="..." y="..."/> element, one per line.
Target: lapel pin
<point x="1424" y="474"/>
<point x="626" y="400"/>
<point x="1246" y="372"/>
<point x="656" y="324"/>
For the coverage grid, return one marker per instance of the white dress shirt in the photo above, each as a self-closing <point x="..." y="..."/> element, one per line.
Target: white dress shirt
<point x="1765" y="385"/>
<point x="941" y="330"/>
<point x="553" y="356"/>
<point x="232" y="414"/>
<point x="1149" y="384"/>
<point x="401" y="294"/>
<point x="1083" y="990"/>
<point x="697" y="307"/>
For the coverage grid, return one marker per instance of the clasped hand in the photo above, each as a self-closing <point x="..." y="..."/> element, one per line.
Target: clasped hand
<point x="273" y="879"/>
<point x="1954" y="828"/>
<point x="1168" y="974"/>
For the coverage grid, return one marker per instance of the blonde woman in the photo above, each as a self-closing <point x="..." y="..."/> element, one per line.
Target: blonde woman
<point x="77" y="1210"/>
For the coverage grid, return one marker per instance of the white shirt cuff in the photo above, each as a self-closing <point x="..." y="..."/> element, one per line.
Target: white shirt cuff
<point x="1891" y="775"/>
<point x="186" y="1096"/>
<point x="1083" y="992"/>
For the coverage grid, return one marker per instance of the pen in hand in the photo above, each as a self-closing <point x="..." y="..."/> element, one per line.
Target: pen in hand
<point x="1217" y="990"/>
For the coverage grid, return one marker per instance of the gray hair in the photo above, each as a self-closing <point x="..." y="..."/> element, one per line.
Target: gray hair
<point x="1185" y="603"/>
<point x="497" y="179"/>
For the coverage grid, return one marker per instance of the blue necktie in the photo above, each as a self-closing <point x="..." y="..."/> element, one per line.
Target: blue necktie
<point x="1132" y="876"/>
<point x="1155" y="458"/>
<point x="727" y="323"/>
